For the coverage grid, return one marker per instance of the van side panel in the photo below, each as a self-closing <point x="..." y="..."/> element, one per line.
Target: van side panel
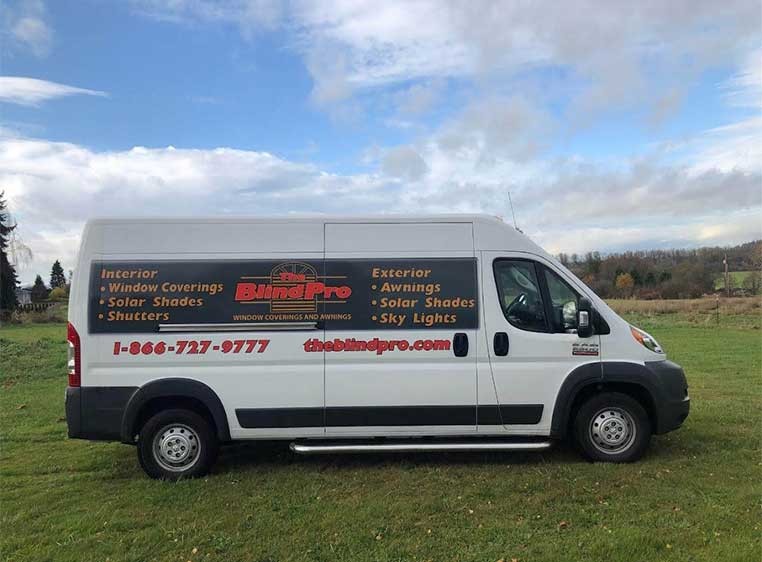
<point x="405" y="390"/>
<point x="277" y="378"/>
<point x="398" y="239"/>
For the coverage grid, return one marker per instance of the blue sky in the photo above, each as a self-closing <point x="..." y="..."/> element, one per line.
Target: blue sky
<point x="205" y="86"/>
<point x="613" y="128"/>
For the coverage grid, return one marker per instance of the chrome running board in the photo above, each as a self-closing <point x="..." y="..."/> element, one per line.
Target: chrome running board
<point x="303" y="448"/>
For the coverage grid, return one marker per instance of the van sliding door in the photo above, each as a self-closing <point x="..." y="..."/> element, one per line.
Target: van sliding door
<point x="400" y="344"/>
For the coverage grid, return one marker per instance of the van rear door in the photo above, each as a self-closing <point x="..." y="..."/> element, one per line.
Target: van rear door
<point x="404" y="359"/>
<point x="197" y="301"/>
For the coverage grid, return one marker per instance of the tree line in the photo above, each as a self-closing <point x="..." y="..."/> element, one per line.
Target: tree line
<point x="668" y="274"/>
<point x="59" y="286"/>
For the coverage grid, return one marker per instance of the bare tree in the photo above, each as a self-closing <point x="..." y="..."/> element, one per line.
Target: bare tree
<point x="19" y="253"/>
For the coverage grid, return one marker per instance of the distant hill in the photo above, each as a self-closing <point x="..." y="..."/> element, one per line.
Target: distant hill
<point x="678" y="273"/>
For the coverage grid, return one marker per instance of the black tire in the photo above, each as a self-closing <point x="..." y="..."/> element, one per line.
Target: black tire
<point x="184" y="434"/>
<point x="612" y="427"/>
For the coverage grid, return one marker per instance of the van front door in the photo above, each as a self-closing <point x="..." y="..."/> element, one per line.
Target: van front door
<point x="530" y="318"/>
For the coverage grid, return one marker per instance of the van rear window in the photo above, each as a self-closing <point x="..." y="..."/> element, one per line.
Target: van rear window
<point x="142" y="297"/>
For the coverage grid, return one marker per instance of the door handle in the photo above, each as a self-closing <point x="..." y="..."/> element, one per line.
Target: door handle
<point x="501" y="344"/>
<point x="460" y="344"/>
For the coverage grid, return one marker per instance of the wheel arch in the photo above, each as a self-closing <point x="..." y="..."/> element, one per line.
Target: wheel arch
<point x="172" y="393"/>
<point x="633" y="379"/>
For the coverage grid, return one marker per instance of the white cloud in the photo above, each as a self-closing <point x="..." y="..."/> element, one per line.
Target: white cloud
<point x="404" y="162"/>
<point x="384" y="42"/>
<point x="34" y="33"/>
<point x="328" y="67"/>
<point x="509" y="128"/>
<point x="52" y="188"/>
<point x="691" y="232"/>
<point x="620" y="56"/>
<point x="731" y="147"/>
<point x="25" y="25"/>
<point x="713" y="194"/>
<point x="249" y="15"/>
<point x="419" y="98"/>
<point x="737" y="145"/>
<point x="567" y="206"/>
<point x="643" y="192"/>
<point x="31" y="91"/>
<point x="745" y="88"/>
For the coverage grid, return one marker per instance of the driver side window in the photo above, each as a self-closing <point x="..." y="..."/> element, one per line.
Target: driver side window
<point x="520" y="295"/>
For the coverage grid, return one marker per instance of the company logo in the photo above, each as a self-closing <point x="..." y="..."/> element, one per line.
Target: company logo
<point x="585" y="349"/>
<point x="291" y="287"/>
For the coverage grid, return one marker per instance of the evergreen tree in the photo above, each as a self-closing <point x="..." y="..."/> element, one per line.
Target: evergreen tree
<point x="57" y="276"/>
<point x="39" y="291"/>
<point x="8" y="279"/>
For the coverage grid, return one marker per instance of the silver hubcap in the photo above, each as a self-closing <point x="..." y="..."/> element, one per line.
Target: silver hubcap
<point x="612" y="430"/>
<point x="176" y="447"/>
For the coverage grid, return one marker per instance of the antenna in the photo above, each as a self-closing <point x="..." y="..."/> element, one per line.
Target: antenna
<point x="512" y="213"/>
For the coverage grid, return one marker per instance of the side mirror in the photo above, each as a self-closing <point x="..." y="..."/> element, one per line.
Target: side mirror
<point x="584" y="318"/>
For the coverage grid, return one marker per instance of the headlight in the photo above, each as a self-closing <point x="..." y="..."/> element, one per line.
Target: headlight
<point x="645" y="340"/>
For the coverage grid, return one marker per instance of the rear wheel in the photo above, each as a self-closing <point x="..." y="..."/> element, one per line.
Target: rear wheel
<point x="612" y="427"/>
<point x="175" y="444"/>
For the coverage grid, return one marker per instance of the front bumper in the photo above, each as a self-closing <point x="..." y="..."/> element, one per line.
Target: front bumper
<point x="672" y="402"/>
<point x="672" y="415"/>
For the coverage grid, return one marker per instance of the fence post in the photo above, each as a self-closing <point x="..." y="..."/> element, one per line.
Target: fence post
<point x="717" y="308"/>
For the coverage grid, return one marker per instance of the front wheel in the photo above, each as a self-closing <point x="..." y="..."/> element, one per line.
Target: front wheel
<point x="612" y="427"/>
<point x="177" y="444"/>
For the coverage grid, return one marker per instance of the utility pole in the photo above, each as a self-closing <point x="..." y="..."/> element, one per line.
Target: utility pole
<point x="727" y="276"/>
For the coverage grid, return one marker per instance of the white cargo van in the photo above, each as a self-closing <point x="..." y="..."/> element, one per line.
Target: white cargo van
<point x="350" y="334"/>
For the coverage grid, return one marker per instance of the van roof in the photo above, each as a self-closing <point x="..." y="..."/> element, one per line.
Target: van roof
<point x="390" y="218"/>
<point x="116" y="234"/>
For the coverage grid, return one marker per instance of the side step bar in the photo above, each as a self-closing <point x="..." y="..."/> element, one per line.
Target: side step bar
<point x="462" y="446"/>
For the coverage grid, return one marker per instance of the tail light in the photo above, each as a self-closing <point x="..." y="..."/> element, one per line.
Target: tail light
<point x="74" y="356"/>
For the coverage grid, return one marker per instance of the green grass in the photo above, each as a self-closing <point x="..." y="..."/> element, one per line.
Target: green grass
<point x="694" y="497"/>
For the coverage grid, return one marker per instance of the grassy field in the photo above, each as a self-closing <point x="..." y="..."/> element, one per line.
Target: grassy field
<point x="736" y="312"/>
<point x="737" y="279"/>
<point x="694" y="497"/>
